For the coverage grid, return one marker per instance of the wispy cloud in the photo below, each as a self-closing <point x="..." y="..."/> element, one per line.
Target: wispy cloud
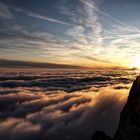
<point x="121" y="23"/>
<point x="5" y="12"/>
<point x="86" y="30"/>
<point x="40" y="16"/>
<point x="89" y="36"/>
<point x="47" y="18"/>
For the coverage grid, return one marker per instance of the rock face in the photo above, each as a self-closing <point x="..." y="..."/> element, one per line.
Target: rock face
<point x="98" y="135"/>
<point x="129" y="125"/>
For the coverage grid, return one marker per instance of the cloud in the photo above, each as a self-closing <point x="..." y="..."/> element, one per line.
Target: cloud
<point x="89" y="37"/>
<point x="72" y="118"/>
<point x="25" y="64"/>
<point x="94" y="39"/>
<point x="39" y="113"/>
<point x="5" y="12"/>
<point x="14" y="129"/>
<point x="39" y="16"/>
<point x="86" y="24"/>
<point x="46" y="18"/>
<point x="63" y="82"/>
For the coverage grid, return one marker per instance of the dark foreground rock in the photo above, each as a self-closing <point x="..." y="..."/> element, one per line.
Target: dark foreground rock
<point x="98" y="135"/>
<point x="129" y="125"/>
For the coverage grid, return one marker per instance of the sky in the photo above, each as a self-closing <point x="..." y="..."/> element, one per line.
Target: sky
<point x="92" y="33"/>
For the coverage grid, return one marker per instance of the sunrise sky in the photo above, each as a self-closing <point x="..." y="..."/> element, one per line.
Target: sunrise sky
<point x="74" y="32"/>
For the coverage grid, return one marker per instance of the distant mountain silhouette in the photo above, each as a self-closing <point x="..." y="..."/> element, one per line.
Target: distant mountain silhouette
<point x="129" y="125"/>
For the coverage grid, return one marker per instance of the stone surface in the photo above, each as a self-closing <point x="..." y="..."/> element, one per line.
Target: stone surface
<point x="98" y="135"/>
<point x="129" y="124"/>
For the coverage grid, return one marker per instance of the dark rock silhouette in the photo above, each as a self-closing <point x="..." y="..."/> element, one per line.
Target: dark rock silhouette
<point x="129" y="125"/>
<point x="98" y="135"/>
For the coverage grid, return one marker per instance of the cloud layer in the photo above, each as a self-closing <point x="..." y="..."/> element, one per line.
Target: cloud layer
<point x="67" y="112"/>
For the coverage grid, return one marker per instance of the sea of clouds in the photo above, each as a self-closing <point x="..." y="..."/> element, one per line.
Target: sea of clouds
<point x="61" y="104"/>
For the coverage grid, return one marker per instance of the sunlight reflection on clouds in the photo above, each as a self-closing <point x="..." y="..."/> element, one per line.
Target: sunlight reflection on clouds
<point x="59" y="113"/>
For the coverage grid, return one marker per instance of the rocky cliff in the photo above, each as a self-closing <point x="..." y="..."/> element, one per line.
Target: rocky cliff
<point x="129" y="125"/>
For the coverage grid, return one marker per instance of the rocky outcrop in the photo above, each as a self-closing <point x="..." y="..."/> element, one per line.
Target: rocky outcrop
<point x="98" y="135"/>
<point x="129" y="125"/>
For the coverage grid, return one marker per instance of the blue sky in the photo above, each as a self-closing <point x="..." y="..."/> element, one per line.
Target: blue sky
<point x="78" y="32"/>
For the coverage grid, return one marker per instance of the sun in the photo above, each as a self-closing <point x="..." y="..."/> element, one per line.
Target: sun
<point x="136" y="62"/>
